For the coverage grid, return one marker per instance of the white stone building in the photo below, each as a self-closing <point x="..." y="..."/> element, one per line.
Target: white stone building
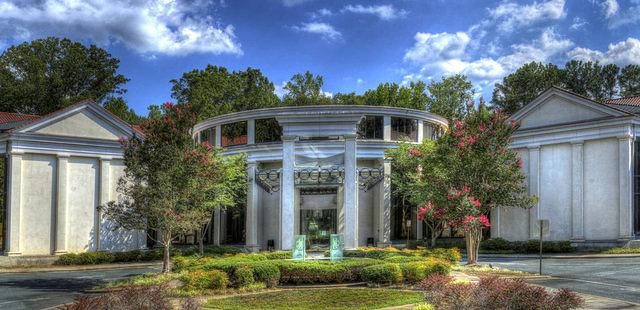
<point x="315" y="170"/>
<point x="59" y="168"/>
<point x="579" y="156"/>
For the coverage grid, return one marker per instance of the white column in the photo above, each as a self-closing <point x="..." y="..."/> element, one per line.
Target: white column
<point x="287" y="194"/>
<point x="216" y="227"/>
<point x="384" y="206"/>
<point x="251" y="229"/>
<point x="13" y="205"/>
<point x="251" y="131"/>
<point x="534" y="189"/>
<point x="350" y="193"/>
<point x="577" y="194"/>
<point x="218" y="142"/>
<point x="625" y="147"/>
<point x="420" y="131"/>
<point x="386" y="123"/>
<point x="61" y="205"/>
<point x="105" y="197"/>
<point x="495" y="223"/>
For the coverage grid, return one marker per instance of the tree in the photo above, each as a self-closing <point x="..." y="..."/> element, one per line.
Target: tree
<point x="630" y="81"/>
<point x="118" y="106"/>
<point x="524" y="85"/>
<point x="216" y="91"/>
<point x="449" y="97"/>
<point x="167" y="179"/>
<point x="590" y="79"/>
<point x="45" y="75"/>
<point x="394" y="95"/>
<point x="305" y="89"/>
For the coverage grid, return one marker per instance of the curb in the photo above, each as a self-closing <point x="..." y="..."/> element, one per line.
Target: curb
<point x="79" y="267"/>
<point x="533" y="256"/>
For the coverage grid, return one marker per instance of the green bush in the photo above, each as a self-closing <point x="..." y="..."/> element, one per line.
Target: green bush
<point x="424" y="307"/>
<point x="266" y="273"/>
<point x="243" y="276"/>
<point x="499" y="245"/>
<point x="277" y="255"/>
<point x="451" y="255"/>
<point x="203" y="279"/>
<point x="94" y="258"/>
<point x="387" y="273"/>
<point x="405" y="259"/>
<point x="314" y="272"/>
<point x="221" y="250"/>
<point x="414" y="272"/>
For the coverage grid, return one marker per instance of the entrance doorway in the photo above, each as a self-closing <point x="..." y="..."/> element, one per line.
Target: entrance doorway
<point x="318" y="214"/>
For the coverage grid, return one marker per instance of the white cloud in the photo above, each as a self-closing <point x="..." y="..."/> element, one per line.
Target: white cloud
<point x="323" y="29"/>
<point x="384" y="12"/>
<point x="435" y="46"/>
<point x="510" y="15"/>
<point x="621" y="53"/>
<point x="290" y="3"/>
<point x="169" y="27"/>
<point x="628" y="16"/>
<point x="321" y="13"/>
<point x="578" y="23"/>
<point x="609" y="7"/>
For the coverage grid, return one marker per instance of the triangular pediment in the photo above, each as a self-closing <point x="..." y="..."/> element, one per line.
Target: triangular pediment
<point x="556" y="106"/>
<point x="83" y="120"/>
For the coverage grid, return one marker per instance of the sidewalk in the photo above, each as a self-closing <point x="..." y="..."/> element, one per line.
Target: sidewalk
<point x="557" y="256"/>
<point x="52" y="268"/>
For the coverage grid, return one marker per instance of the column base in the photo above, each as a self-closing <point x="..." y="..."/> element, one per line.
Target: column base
<point x="13" y="253"/>
<point x="252" y="248"/>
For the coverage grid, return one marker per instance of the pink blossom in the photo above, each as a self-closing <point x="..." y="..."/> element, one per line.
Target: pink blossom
<point x="415" y="152"/>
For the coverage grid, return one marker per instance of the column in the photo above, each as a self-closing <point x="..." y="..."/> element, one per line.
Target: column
<point x="384" y="206"/>
<point x="218" y="142"/>
<point x="495" y="223"/>
<point x="287" y="194"/>
<point x="251" y="131"/>
<point x="13" y="204"/>
<point x="577" y="194"/>
<point x="419" y="226"/>
<point x="386" y="132"/>
<point x="625" y="147"/>
<point x="216" y="227"/>
<point x="350" y="193"/>
<point x="534" y="189"/>
<point x="251" y="229"/>
<point x="61" y="205"/>
<point x="420" y="131"/>
<point x="105" y="197"/>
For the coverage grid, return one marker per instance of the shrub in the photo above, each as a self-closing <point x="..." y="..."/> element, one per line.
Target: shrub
<point x="130" y="297"/>
<point x="314" y="272"/>
<point x="424" y="307"/>
<point x="243" y="276"/>
<point x="404" y="259"/>
<point x="452" y="254"/>
<point x="495" y="293"/>
<point x="202" y="279"/>
<point x="221" y="250"/>
<point x="387" y="273"/>
<point x="94" y="258"/>
<point x="266" y="273"/>
<point x="278" y="255"/>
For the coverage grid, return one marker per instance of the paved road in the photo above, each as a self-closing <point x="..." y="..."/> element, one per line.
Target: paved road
<point x="617" y="278"/>
<point x="38" y="290"/>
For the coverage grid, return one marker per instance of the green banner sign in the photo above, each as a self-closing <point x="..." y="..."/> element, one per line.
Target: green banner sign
<point x="336" y="247"/>
<point x="299" y="247"/>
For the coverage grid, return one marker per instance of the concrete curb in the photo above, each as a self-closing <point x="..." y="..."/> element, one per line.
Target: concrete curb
<point x="558" y="256"/>
<point x="55" y="268"/>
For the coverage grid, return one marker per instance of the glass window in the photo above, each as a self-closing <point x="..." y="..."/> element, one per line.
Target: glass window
<point x="268" y="130"/>
<point x="371" y="127"/>
<point x="234" y="134"/>
<point x="205" y="135"/>
<point x="428" y="131"/>
<point x="404" y="129"/>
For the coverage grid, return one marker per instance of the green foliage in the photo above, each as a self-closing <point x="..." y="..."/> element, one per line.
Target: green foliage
<point x="94" y="258"/>
<point x="205" y="279"/>
<point x="265" y="272"/>
<point x="622" y="251"/>
<point x="45" y="75"/>
<point x="278" y="255"/>
<point x="316" y="272"/>
<point x="216" y="91"/>
<point x="590" y="79"/>
<point x="305" y="89"/>
<point x="394" y="95"/>
<point x="449" y="97"/>
<point x="243" y="276"/>
<point x="451" y="255"/>
<point x="118" y="106"/>
<point x="387" y="273"/>
<point x="502" y="246"/>
<point x="424" y="307"/>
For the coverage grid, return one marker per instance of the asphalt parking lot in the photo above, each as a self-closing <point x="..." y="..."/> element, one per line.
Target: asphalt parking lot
<point x="617" y="278"/>
<point x="38" y="290"/>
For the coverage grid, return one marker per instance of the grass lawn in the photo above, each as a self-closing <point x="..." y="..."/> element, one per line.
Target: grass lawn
<point x="331" y="298"/>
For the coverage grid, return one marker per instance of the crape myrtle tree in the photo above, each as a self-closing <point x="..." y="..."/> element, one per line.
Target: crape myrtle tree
<point x="167" y="178"/>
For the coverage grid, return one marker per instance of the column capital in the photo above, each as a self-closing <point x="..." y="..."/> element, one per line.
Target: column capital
<point x="252" y="163"/>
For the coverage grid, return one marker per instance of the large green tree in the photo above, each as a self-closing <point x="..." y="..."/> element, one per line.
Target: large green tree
<point x="305" y="89"/>
<point x="216" y="91"/>
<point x="118" y="106"/>
<point x="45" y="75"/>
<point x="412" y="96"/>
<point x="630" y="81"/>
<point x="449" y="97"/>
<point x="524" y="85"/>
<point x="590" y="79"/>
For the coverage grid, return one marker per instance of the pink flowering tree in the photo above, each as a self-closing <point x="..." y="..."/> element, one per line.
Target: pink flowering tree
<point x="167" y="180"/>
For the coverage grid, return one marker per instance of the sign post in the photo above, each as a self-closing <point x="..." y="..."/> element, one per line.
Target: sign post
<point x="544" y="230"/>
<point x="337" y="244"/>
<point x="299" y="247"/>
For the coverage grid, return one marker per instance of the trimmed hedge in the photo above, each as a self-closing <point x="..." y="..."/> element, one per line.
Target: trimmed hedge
<point x="451" y="254"/>
<point x="387" y="273"/>
<point x="499" y="245"/>
<point x="414" y="272"/>
<point x="243" y="276"/>
<point x="94" y="258"/>
<point x="203" y="279"/>
<point x="314" y="272"/>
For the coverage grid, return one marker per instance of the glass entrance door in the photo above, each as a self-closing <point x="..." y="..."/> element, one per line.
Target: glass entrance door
<point x="318" y="225"/>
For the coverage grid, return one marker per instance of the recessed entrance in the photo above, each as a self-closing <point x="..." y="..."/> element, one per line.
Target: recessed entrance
<point x="318" y="214"/>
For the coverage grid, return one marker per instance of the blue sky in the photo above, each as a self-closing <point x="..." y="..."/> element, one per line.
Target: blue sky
<point x="355" y="45"/>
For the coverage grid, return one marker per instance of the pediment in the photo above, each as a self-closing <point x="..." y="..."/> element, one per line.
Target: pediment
<point x="84" y="120"/>
<point x="556" y="107"/>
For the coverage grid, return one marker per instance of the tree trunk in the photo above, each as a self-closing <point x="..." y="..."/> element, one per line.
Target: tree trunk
<point x="433" y="239"/>
<point x="166" y="258"/>
<point x="472" y="238"/>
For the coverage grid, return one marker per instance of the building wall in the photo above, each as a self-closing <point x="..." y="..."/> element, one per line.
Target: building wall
<point x="555" y="189"/>
<point x="37" y="207"/>
<point x="82" y="201"/>
<point x="601" y="190"/>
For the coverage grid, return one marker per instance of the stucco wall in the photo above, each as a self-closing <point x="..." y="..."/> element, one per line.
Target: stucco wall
<point x="82" y="193"/>
<point x="37" y="207"/>
<point x="555" y="189"/>
<point x="82" y="124"/>
<point x="558" y="110"/>
<point x="601" y="190"/>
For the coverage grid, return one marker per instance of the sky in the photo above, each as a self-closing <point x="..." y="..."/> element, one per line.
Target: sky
<point x="353" y="44"/>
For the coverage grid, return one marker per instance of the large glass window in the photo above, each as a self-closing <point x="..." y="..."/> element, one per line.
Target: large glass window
<point x="268" y="130"/>
<point x="234" y="134"/>
<point x="404" y="129"/>
<point x="318" y="225"/>
<point x="205" y="136"/>
<point x="371" y="127"/>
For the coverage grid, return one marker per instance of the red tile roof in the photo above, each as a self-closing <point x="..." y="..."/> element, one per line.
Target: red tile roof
<point x="6" y="117"/>
<point x="635" y="101"/>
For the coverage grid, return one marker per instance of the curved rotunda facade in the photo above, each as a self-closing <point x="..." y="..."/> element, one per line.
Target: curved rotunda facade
<point x="314" y="171"/>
